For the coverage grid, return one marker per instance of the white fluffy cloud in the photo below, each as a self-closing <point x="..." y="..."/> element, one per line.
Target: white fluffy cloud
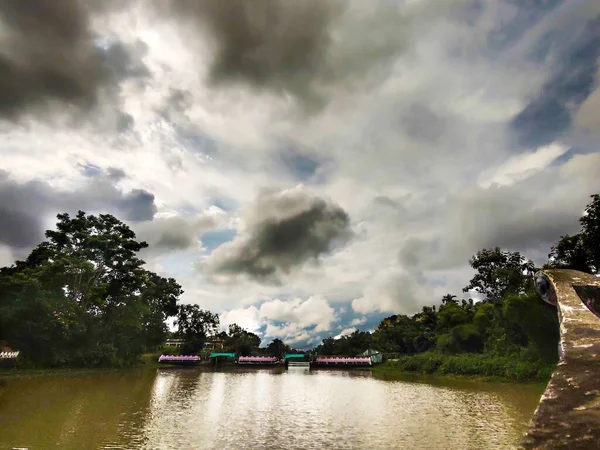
<point x="394" y="290"/>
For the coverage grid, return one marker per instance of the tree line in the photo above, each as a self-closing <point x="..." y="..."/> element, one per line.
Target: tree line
<point x="196" y="326"/>
<point x="83" y="298"/>
<point x="511" y="320"/>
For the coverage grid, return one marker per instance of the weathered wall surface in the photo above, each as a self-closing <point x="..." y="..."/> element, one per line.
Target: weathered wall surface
<point x="568" y="416"/>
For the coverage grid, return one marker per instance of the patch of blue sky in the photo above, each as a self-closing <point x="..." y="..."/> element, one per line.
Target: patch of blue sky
<point x="227" y="204"/>
<point x="349" y="319"/>
<point x="90" y="170"/>
<point x="526" y="15"/>
<point x="300" y="165"/>
<point x="548" y="116"/>
<point x="195" y="141"/>
<point x="572" y="152"/>
<point x="215" y="238"/>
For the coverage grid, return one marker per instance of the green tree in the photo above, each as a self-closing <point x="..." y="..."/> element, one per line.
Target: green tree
<point x="327" y="348"/>
<point x="537" y="321"/>
<point x="241" y="341"/>
<point x="277" y="348"/>
<point x="101" y="306"/>
<point x="194" y="325"/>
<point x="500" y="273"/>
<point x="448" y="298"/>
<point x="569" y="253"/>
<point x="590" y="232"/>
<point x="582" y="250"/>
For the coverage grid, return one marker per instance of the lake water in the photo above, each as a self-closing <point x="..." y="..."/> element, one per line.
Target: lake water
<point x="169" y="408"/>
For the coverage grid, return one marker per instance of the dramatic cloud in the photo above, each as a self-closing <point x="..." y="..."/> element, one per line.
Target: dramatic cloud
<point x="27" y="209"/>
<point x="420" y="131"/>
<point x="165" y="234"/>
<point x="49" y="52"/>
<point x="283" y="231"/>
<point x="303" y="51"/>
<point x="548" y="116"/>
<point x="270" y="44"/>
<point x="588" y="116"/>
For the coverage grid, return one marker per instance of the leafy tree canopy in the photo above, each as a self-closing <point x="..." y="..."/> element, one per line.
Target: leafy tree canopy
<point x="82" y="297"/>
<point x="582" y="250"/>
<point x="499" y="273"/>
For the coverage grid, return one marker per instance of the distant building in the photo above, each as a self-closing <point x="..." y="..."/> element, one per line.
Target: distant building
<point x="214" y="343"/>
<point x="175" y="343"/>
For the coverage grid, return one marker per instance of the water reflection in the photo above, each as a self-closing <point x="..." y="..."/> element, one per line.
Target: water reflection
<point x="77" y="412"/>
<point x="190" y="409"/>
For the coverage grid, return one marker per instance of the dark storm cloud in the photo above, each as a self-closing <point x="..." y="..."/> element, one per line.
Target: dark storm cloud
<point x="264" y="40"/>
<point x="48" y="53"/>
<point x="167" y="234"/>
<point x="136" y="205"/>
<point x="25" y="207"/>
<point x="272" y="44"/>
<point x="549" y="114"/>
<point x="284" y="231"/>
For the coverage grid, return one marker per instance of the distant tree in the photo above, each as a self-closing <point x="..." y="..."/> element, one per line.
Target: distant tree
<point x="194" y="325"/>
<point x="500" y="273"/>
<point x="243" y="342"/>
<point x="327" y="348"/>
<point x="448" y="298"/>
<point x="427" y="317"/>
<point x="277" y="348"/>
<point x="450" y="315"/>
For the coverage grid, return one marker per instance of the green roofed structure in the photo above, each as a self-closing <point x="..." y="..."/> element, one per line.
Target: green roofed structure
<point x="219" y="354"/>
<point x="294" y="356"/>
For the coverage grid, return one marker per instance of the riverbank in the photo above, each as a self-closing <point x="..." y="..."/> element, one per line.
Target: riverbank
<point x="471" y="365"/>
<point x="149" y="360"/>
<point x="145" y="361"/>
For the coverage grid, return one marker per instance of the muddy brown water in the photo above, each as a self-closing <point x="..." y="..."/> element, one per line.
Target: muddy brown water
<point x="177" y="408"/>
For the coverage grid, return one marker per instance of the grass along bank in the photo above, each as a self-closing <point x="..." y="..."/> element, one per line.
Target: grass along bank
<point x="472" y="365"/>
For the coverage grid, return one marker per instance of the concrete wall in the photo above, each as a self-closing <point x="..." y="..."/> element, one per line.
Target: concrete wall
<point x="568" y="416"/>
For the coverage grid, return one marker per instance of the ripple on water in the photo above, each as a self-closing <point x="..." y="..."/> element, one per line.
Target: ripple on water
<point x="188" y="409"/>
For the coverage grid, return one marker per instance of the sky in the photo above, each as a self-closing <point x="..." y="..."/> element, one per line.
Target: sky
<point x="303" y="168"/>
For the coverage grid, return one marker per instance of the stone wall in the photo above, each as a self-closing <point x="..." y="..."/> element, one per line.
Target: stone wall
<point x="568" y="416"/>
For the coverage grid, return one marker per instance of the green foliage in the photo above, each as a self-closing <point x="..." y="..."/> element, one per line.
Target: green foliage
<point x="278" y="348"/>
<point x="82" y="298"/>
<point x="580" y="251"/>
<point x="500" y="273"/>
<point x="194" y="325"/>
<point x="536" y="320"/>
<point x="462" y="338"/>
<point x="468" y="364"/>
<point x="570" y="253"/>
<point x="241" y="341"/>
<point x="512" y="334"/>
